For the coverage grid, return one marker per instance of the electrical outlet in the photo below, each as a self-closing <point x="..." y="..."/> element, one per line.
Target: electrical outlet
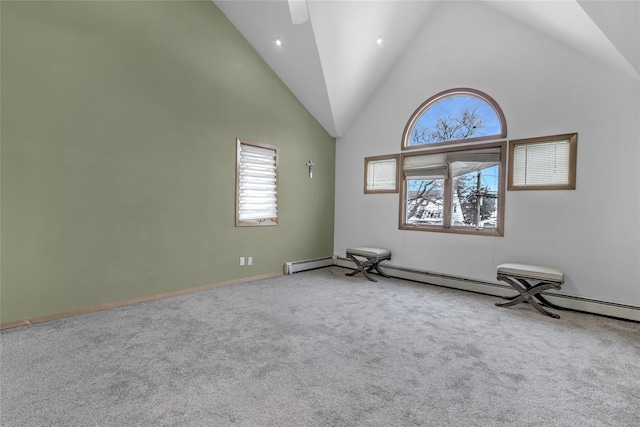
<point x="250" y="260"/>
<point x="241" y="260"/>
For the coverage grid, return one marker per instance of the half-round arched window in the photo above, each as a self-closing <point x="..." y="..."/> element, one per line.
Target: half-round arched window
<point x="455" y="115"/>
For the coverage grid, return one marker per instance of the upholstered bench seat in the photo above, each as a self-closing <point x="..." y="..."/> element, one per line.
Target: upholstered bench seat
<point x="536" y="272"/>
<point x="367" y="252"/>
<point x="519" y="276"/>
<point x="373" y="255"/>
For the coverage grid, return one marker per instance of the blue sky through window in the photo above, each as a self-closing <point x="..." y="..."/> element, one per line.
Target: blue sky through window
<point x="453" y="107"/>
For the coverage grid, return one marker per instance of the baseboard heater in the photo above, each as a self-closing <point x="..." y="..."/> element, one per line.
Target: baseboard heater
<point x="310" y="264"/>
<point x="571" y="302"/>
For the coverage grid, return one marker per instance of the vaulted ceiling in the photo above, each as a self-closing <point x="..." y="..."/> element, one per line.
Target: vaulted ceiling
<point x="331" y="59"/>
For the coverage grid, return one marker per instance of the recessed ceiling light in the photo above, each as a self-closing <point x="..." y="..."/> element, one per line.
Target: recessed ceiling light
<point x="379" y="41"/>
<point x="278" y="42"/>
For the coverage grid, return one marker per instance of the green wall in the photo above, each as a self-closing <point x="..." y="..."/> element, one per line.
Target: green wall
<point x="119" y="126"/>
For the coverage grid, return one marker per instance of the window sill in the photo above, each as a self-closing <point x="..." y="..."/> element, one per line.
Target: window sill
<point x="496" y="232"/>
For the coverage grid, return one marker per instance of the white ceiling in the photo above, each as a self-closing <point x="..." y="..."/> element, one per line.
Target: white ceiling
<point x="332" y="64"/>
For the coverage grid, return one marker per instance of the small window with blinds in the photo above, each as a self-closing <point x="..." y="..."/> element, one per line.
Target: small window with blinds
<point x="545" y="163"/>
<point x="381" y="174"/>
<point x="256" y="184"/>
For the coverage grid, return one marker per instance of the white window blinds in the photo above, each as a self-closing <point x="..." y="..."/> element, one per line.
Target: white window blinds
<point x="464" y="162"/>
<point x="427" y="166"/>
<point x="257" y="184"/>
<point x="541" y="164"/>
<point x="450" y="165"/>
<point x="382" y="174"/>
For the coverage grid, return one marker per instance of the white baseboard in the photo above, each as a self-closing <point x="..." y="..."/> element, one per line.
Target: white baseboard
<point x="310" y="264"/>
<point x="571" y="302"/>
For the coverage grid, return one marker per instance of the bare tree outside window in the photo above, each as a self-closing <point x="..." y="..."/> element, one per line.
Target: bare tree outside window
<point x="425" y="201"/>
<point x="463" y="125"/>
<point x="476" y="202"/>
<point x="454" y="116"/>
<point x="451" y="187"/>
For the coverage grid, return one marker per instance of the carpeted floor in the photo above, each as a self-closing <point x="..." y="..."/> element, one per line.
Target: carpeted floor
<point x="321" y="349"/>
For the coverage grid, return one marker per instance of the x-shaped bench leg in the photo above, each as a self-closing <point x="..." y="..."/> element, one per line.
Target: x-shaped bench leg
<point x="366" y="267"/>
<point x="529" y="293"/>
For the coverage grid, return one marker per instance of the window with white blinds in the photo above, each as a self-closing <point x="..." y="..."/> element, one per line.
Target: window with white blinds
<point x="458" y="189"/>
<point x="256" y="184"/>
<point x="450" y="185"/>
<point x="546" y="163"/>
<point x="381" y="174"/>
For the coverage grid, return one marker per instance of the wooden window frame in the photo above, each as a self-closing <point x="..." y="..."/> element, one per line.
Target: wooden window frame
<point x="451" y="93"/>
<point x="571" y="138"/>
<point x="446" y="227"/>
<point x="368" y="161"/>
<point x="259" y="222"/>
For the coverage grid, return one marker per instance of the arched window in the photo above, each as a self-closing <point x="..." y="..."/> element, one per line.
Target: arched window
<point x="450" y="185"/>
<point x="454" y="115"/>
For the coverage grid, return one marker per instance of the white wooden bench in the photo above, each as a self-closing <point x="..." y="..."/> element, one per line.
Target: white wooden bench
<point x="373" y="257"/>
<point x="519" y="276"/>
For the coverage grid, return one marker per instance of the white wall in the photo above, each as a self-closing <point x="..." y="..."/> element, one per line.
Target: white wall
<point x="544" y="89"/>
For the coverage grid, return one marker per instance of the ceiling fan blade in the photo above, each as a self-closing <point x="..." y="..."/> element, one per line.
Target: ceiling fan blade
<point x="298" y="10"/>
